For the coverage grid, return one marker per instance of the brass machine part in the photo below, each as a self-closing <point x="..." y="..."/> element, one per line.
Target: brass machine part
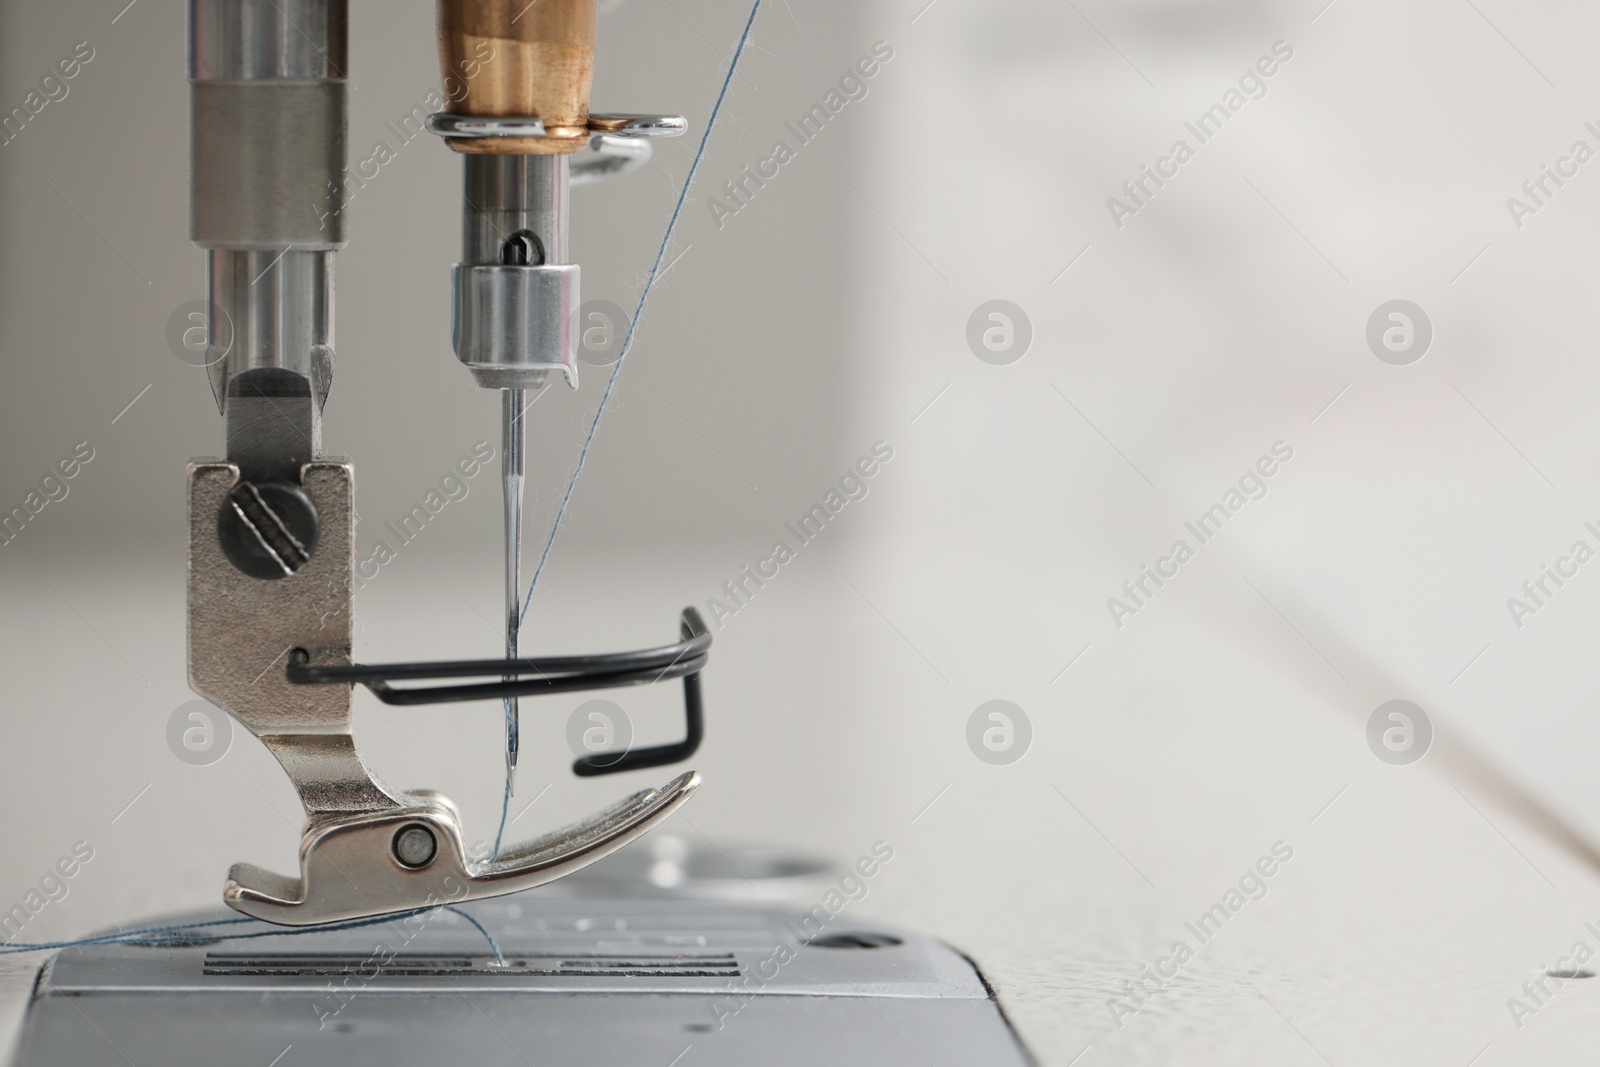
<point x="528" y="60"/>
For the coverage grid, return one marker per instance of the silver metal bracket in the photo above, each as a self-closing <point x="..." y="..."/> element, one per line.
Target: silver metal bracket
<point x="617" y="144"/>
<point x="509" y="321"/>
<point x="620" y="144"/>
<point x="367" y="849"/>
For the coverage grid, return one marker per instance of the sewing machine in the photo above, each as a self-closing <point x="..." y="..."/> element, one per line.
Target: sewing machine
<point x="631" y="963"/>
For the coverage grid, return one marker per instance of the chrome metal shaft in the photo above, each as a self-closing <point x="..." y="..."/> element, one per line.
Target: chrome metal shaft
<point x="513" y="471"/>
<point x="268" y="184"/>
<point x="516" y="292"/>
<point x="507" y="195"/>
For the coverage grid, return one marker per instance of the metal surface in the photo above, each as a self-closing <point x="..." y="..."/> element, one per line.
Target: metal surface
<point x="249" y="39"/>
<point x="268" y="530"/>
<point x="275" y="311"/>
<point x="639" y="125"/>
<point x="262" y="154"/>
<point x="514" y="325"/>
<point x="348" y="869"/>
<point x="267" y="158"/>
<point x="513" y="478"/>
<point x="506" y="195"/>
<point x="415" y="846"/>
<point x="608" y="156"/>
<point x="513" y="58"/>
<point x="242" y="631"/>
<point x="591" y="983"/>
<point x="617" y="144"/>
<point x="669" y="865"/>
<point x="620" y="144"/>
<point x="516" y="294"/>
<point x="451" y="126"/>
<point x="271" y="529"/>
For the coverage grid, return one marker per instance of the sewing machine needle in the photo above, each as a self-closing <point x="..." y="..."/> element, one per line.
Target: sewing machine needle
<point x="513" y="464"/>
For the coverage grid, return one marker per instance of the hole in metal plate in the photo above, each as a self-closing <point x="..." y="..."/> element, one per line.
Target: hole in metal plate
<point x="854" y="941"/>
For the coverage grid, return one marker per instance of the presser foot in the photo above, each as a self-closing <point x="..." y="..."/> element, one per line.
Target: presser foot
<point x="412" y="857"/>
<point x="275" y="654"/>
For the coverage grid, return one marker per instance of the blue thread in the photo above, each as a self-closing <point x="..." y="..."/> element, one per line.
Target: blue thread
<point x="513" y="729"/>
<point x="505" y="807"/>
<point x="627" y="346"/>
<point x="498" y="959"/>
<point x="145" y="936"/>
<point x="655" y="272"/>
<point x="152" y="936"/>
<point x="125" y="936"/>
<point x="148" y="936"/>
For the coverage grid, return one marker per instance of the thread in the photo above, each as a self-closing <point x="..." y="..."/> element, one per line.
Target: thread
<point x="650" y="281"/>
<point x="505" y="806"/>
<point x="627" y="346"/>
<point x="153" y="936"/>
<point x="498" y="958"/>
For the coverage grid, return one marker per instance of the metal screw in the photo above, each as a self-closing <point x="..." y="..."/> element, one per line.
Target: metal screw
<point x="268" y="529"/>
<point x="414" y="846"/>
<point x="522" y="249"/>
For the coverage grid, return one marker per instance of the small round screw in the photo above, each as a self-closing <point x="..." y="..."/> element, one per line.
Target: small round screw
<point x="414" y="846"/>
<point x="268" y="530"/>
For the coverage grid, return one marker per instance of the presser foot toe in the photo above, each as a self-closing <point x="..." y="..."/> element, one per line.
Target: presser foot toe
<point x="412" y="857"/>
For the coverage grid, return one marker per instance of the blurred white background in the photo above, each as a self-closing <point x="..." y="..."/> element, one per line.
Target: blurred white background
<point x="1227" y="314"/>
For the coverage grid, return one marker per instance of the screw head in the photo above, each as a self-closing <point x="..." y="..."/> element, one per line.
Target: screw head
<point x="268" y="529"/>
<point x="414" y="846"/>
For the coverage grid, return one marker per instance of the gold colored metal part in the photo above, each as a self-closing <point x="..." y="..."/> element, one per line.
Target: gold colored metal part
<point x="517" y="58"/>
<point x="609" y="123"/>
